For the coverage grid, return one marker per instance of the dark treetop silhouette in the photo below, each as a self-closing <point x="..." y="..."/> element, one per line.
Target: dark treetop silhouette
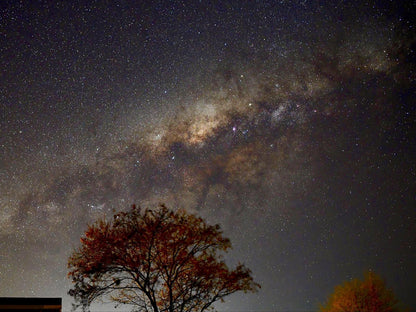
<point x="158" y="260"/>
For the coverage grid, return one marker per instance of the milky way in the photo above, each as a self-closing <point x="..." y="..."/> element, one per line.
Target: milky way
<point x="290" y="124"/>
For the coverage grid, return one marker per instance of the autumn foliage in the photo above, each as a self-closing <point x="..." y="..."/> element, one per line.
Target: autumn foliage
<point x="158" y="260"/>
<point x="369" y="295"/>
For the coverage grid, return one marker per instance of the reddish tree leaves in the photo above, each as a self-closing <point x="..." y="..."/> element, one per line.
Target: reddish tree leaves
<point x="158" y="260"/>
<point x="369" y="295"/>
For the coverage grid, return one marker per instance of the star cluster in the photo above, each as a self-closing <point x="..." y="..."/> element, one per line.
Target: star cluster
<point x="289" y="123"/>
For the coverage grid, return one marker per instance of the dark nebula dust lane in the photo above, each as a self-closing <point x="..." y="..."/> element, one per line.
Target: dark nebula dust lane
<point x="290" y="123"/>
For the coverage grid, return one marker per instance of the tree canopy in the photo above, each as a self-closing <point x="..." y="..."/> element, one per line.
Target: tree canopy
<point x="157" y="260"/>
<point x="368" y="295"/>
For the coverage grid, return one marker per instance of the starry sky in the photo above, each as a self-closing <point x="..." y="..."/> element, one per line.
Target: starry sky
<point x="290" y="123"/>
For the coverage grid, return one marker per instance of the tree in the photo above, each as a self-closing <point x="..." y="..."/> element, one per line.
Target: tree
<point x="157" y="260"/>
<point x="369" y="295"/>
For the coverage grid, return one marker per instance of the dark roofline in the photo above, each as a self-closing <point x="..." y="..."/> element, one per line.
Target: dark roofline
<point x="30" y="301"/>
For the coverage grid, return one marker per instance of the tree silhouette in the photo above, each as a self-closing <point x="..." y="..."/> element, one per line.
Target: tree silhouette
<point x="157" y="260"/>
<point x="369" y="295"/>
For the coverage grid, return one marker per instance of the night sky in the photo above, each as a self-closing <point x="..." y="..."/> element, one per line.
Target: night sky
<point x="290" y="123"/>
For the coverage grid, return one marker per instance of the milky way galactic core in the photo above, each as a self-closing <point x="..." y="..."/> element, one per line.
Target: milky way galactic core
<point x="290" y="123"/>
